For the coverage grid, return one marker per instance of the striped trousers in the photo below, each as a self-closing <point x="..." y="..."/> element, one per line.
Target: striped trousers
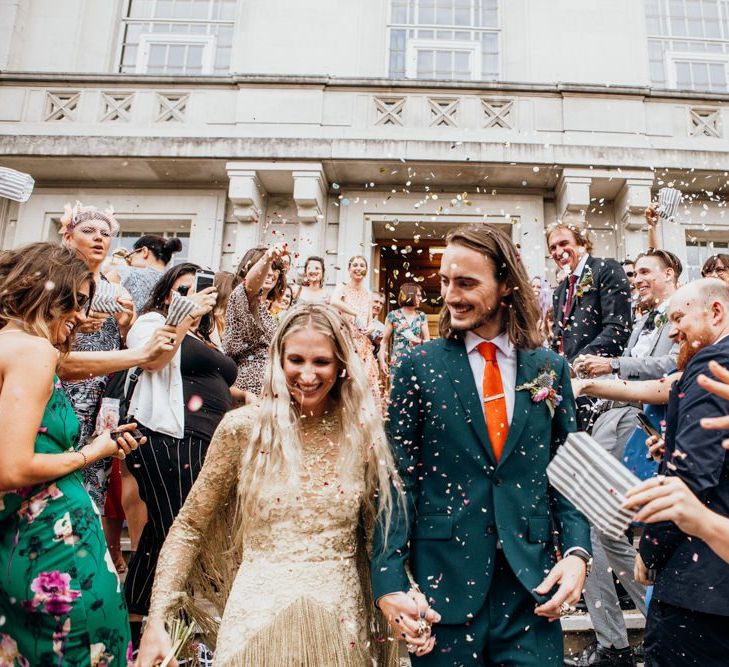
<point x="165" y="469"/>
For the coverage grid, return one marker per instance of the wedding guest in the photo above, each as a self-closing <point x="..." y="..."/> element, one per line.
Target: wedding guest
<point x="716" y="266"/>
<point x="354" y="300"/>
<point x="592" y="310"/>
<point x="377" y="327"/>
<point x="543" y="294"/>
<point x="313" y="289"/>
<point x="145" y="264"/>
<point x="406" y="327"/>
<point x="225" y="282"/>
<point x="178" y="402"/>
<point x="278" y="308"/>
<point x="249" y="326"/>
<point x="305" y="484"/>
<point x="59" y="590"/>
<point x="88" y="231"/>
<point x="687" y="617"/>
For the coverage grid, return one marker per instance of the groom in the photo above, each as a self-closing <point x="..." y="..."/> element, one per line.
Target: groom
<point x="472" y="436"/>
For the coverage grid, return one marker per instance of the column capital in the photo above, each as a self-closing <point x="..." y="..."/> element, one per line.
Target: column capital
<point x="310" y="193"/>
<point x="245" y="192"/>
<point x="573" y="195"/>
<point x="632" y="199"/>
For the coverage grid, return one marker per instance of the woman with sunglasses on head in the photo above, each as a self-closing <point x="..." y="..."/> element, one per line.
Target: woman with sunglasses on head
<point x="60" y="597"/>
<point x="89" y="231"/>
<point x="249" y="325"/>
<point x="144" y="265"/>
<point x="309" y="488"/>
<point x="178" y="402"/>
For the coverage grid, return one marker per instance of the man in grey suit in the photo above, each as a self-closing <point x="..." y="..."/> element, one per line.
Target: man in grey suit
<point x="650" y="354"/>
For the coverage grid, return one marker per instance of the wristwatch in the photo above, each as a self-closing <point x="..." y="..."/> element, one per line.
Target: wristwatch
<point x="615" y="366"/>
<point x="582" y="555"/>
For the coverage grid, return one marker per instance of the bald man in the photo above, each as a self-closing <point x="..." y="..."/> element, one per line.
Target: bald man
<point x="688" y="618"/>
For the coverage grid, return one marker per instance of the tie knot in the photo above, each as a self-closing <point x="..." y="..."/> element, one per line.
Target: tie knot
<point x="487" y="351"/>
<point x="573" y="278"/>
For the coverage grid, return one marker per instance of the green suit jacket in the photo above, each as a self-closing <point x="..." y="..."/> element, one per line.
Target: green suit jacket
<point x="459" y="500"/>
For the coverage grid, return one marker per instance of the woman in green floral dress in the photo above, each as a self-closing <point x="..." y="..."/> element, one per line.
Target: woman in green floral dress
<point x="60" y="597"/>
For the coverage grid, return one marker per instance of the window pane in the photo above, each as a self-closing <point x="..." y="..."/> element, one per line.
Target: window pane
<point x="157" y="55"/>
<point x="444" y="13"/>
<point x="700" y="74"/>
<point x="200" y="9"/>
<point x="425" y="65"/>
<point x="194" y="56"/>
<point x="399" y="11"/>
<point x="164" y="9"/>
<point x="683" y="75"/>
<point x="443" y="65"/>
<point x="717" y="76"/>
<point x="426" y="12"/>
<point x="176" y="56"/>
<point x="462" y="65"/>
<point x="141" y="9"/>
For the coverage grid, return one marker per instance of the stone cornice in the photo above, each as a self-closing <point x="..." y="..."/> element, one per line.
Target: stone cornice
<point x="403" y="85"/>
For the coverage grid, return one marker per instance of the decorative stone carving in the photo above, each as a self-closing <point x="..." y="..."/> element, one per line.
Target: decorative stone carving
<point x="172" y="107"/>
<point x="498" y="112"/>
<point x="62" y="105"/>
<point x="390" y="110"/>
<point x="705" y="122"/>
<point x="245" y="193"/>
<point x="310" y="194"/>
<point x="443" y="111"/>
<point x="117" y="107"/>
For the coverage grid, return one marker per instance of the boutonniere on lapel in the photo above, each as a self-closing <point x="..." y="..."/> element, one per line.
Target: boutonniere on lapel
<point x="542" y="390"/>
<point x="586" y="282"/>
<point x="660" y="319"/>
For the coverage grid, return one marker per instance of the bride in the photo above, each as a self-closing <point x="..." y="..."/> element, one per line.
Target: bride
<point x="300" y="474"/>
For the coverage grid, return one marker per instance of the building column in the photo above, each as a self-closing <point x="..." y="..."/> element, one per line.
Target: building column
<point x="310" y="196"/>
<point x="573" y="196"/>
<point x="630" y="204"/>
<point x="249" y="204"/>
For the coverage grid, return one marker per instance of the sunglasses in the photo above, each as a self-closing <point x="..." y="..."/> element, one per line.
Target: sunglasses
<point x="630" y="274"/>
<point x="80" y="302"/>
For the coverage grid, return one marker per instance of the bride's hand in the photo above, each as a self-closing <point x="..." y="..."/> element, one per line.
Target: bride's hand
<point x="155" y="646"/>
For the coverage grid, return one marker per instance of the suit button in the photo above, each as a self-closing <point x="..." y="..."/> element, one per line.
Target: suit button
<point x="497" y="481"/>
<point x="490" y="530"/>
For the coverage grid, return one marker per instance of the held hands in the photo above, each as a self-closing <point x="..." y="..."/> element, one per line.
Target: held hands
<point x="155" y="646"/>
<point x="569" y="574"/>
<point x="104" y="446"/>
<point x="410" y="617"/>
<point x="205" y="300"/>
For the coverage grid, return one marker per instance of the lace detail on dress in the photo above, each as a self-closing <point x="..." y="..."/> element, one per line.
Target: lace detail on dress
<point x="299" y="567"/>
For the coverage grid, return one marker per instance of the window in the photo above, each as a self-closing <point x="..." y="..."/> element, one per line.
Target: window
<point x="698" y="251"/>
<point x="128" y="238"/>
<point x="688" y="44"/>
<point x="192" y="37"/>
<point x="445" y="39"/>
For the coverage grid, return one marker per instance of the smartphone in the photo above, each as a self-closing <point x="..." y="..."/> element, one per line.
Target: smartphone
<point x="647" y="426"/>
<point x="203" y="279"/>
<point x="135" y="433"/>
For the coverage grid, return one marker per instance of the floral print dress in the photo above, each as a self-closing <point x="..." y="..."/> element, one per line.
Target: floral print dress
<point x="60" y="596"/>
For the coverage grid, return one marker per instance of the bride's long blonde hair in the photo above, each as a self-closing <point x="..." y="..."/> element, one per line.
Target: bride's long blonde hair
<point x="275" y="446"/>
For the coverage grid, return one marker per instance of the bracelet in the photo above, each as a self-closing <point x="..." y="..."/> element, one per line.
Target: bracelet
<point x="83" y="454"/>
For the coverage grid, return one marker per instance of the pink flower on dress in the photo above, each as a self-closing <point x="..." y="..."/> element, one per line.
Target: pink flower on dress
<point x="53" y="591"/>
<point x="9" y="654"/>
<point x="34" y="506"/>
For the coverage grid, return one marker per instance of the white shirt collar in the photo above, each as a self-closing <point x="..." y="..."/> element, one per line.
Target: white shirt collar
<point x="581" y="266"/>
<point x="502" y="342"/>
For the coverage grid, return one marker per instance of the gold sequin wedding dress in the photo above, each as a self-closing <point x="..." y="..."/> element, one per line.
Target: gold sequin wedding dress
<point x="298" y="591"/>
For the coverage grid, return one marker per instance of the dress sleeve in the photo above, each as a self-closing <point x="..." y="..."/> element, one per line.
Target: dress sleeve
<point x="242" y="328"/>
<point x="181" y="548"/>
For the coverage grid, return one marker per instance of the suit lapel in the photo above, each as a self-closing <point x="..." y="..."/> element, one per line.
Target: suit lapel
<point x="459" y="372"/>
<point x="526" y="371"/>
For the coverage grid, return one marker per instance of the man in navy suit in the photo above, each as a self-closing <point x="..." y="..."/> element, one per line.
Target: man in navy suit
<point x="688" y="618"/>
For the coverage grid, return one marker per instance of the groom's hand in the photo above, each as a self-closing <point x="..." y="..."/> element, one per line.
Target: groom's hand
<point x="406" y="613"/>
<point x="569" y="574"/>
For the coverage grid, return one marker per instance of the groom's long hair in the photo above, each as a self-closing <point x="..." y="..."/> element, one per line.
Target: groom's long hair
<point x="521" y="314"/>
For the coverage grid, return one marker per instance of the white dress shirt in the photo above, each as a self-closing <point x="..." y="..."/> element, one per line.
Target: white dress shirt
<point x="581" y="266"/>
<point x="505" y="358"/>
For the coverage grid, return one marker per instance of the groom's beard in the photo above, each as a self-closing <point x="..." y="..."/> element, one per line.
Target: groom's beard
<point x="481" y="319"/>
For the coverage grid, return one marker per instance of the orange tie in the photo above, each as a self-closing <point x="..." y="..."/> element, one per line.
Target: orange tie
<point x="494" y="401"/>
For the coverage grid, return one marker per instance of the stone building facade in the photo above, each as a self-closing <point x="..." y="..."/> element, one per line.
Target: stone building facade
<point x="368" y="126"/>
